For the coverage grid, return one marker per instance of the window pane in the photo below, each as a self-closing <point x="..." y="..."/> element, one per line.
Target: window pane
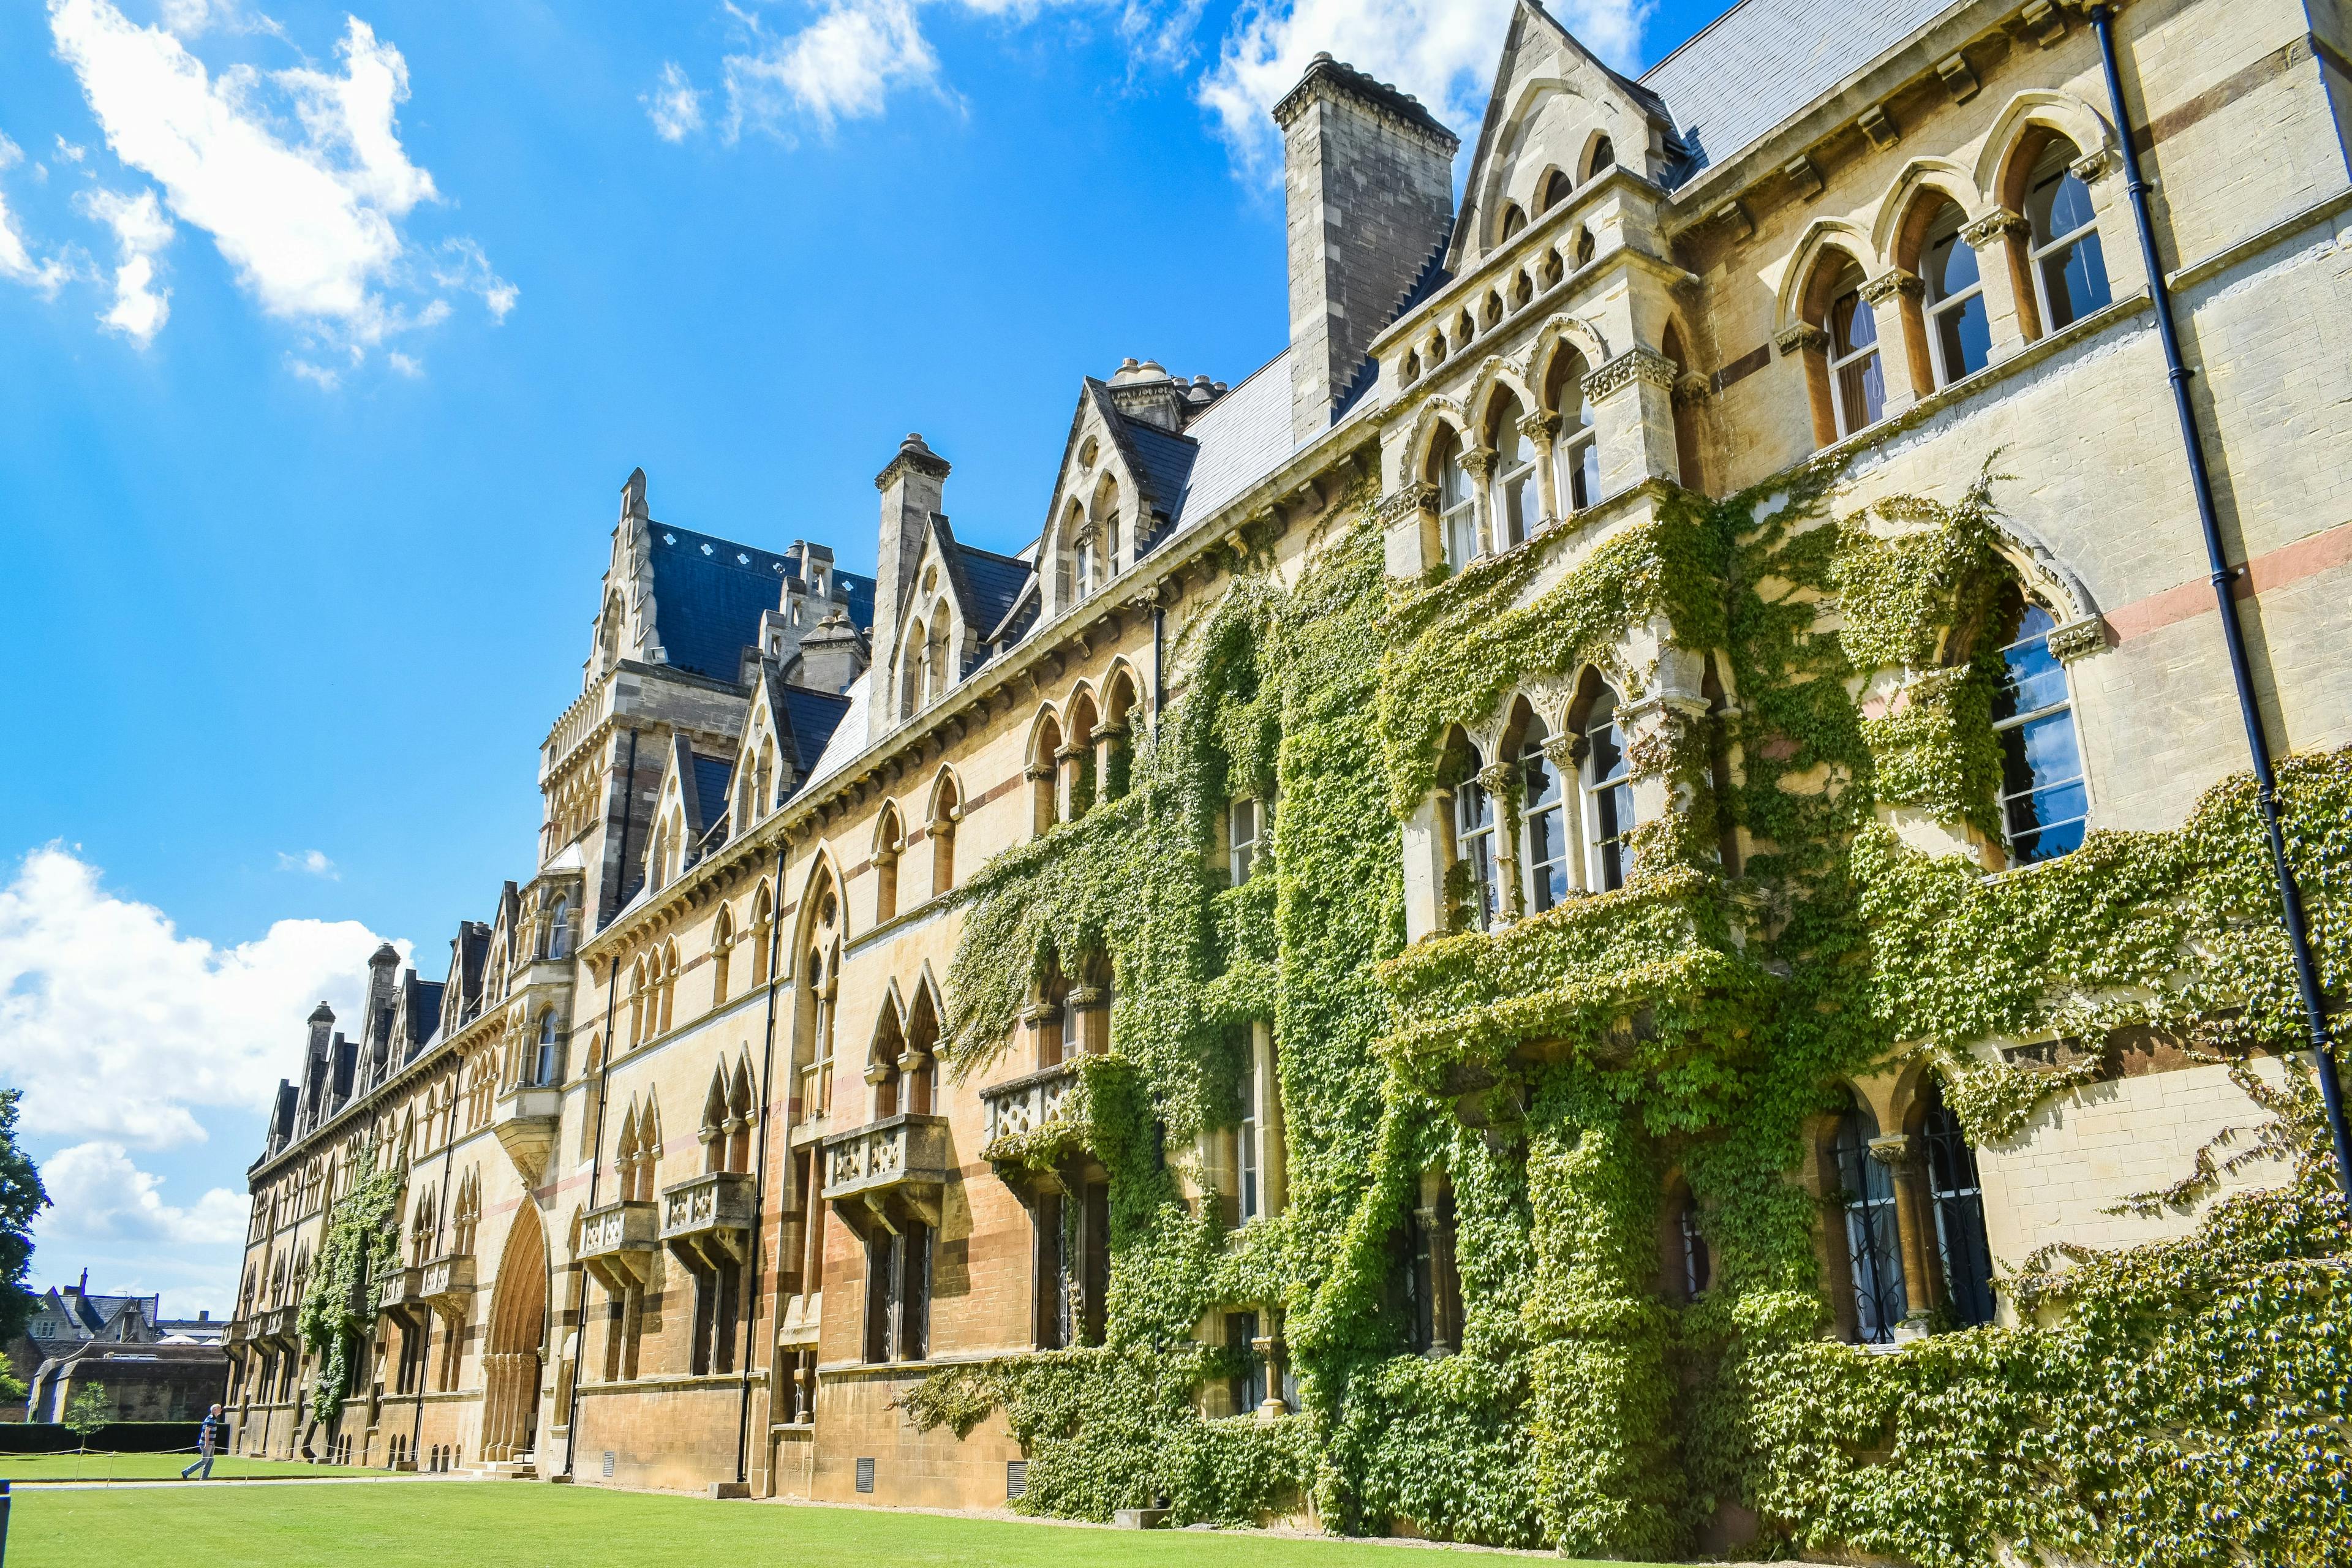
<point x="1516" y="510"/>
<point x="1853" y="324"/>
<point x="1951" y="268"/>
<point x="1965" y="336"/>
<point x="2035" y="678"/>
<point x="1861" y="393"/>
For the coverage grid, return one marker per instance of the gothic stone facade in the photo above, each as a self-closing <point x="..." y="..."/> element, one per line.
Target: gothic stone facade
<point x="699" y="1188"/>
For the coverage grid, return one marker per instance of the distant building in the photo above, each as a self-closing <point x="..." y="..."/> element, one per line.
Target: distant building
<point x="153" y="1368"/>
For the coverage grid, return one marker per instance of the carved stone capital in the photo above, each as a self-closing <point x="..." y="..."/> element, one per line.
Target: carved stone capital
<point x="1691" y="387"/>
<point x="1892" y="283"/>
<point x="1088" y="998"/>
<point x="1479" y="461"/>
<point x="1991" y="228"/>
<point x="1795" y="340"/>
<point x="2095" y="164"/>
<point x="2078" y="639"/>
<point x="1496" y="778"/>
<point x="1408" y="499"/>
<point x="1038" y="773"/>
<point x="1540" y="427"/>
<point x="1634" y="365"/>
<point x="1566" y="752"/>
<point x="1892" y="1149"/>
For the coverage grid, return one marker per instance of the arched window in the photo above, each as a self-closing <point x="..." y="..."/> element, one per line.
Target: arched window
<point x="1608" y="797"/>
<point x="1576" y="451"/>
<point x="1543" y="824"/>
<point x="1958" y="1198"/>
<point x="945" y="807"/>
<point x="1958" y="327"/>
<point x="1873" y="1238"/>
<point x="882" y="1061"/>
<point x="1552" y="191"/>
<point x="1515" y="505"/>
<point x="2070" y="273"/>
<point x="1457" y="502"/>
<point x="1044" y="766"/>
<point x="1689" y="469"/>
<point x="558" y="927"/>
<point x="1586" y="247"/>
<point x="2045" y="803"/>
<point x="722" y="955"/>
<point x="1515" y="218"/>
<point x="670" y="986"/>
<point x="763" y="918"/>
<point x="1067" y="557"/>
<point x="1697" y="1264"/>
<point x="1857" y="379"/>
<point x="546" y="1070"/>
<point x="1474" y="842"/>
<point x="890" y="840"/>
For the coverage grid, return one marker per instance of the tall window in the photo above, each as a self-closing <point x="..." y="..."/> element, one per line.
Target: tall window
<point x="1604" y="155"/>
<point x="1873" y="1241"/>
<point x="558" y="922"/>
<point x="1697" y="1266"/>
<point x="1457" y="502"/>
<point x="2045" y="805"/>
<point x="1957" y="324"/>
<point x="1240" y="1338"/>
<point x="1552" y="192"/>
<point x="544" y="1071"/>
<point x="1958" y="1198"/>
<point x="1608" y="797"/>
<point x="1857" y="378"/>
<point x="898" y="1294"/>
<point x="2069" y="273"/>
<point x="1516" y="507"/>
<point x="1576" y="453"/>
<point x="1245" y="1138"/>
<point x="1247" y="821"/>
<point x="1474" y="842"/>
<point x="1543" y="824"/>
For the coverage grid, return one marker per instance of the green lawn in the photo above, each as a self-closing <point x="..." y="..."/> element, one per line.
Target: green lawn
<point x="149" y="1467"/>
<point x="505" y="1524"/>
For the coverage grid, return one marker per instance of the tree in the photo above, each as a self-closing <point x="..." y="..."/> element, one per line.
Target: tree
<point x="89" y="1409"/>
<point x="22" y="1196"/>
<point x="12" y="1387"/>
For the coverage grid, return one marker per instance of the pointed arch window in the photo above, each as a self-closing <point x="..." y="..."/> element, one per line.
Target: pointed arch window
<point x="1872" y="1236"/>
<point x="1958" y="325"/>
<point x="1608" y="795"/>
<point x="945" y="807"/>
<point x="2070" y="271"/>
<point x="558" y="927"/>
<point x="1544" y="847"/>
<point x="1576" y="450"/>
<point x="547" y="1066"/>
<point x="2044" y="802"/>
<point x="1474" y="843"/>
<point x="1516" y="507"/>
<point x="1552" y="191"/>
<point x="1956" y="1195"/>
<point x="1457" y="501"/>
<point x="1604" y="156"/>
<point x="1857" y="376"/>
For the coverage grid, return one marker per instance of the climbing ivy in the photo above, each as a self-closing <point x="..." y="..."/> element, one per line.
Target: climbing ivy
<point x="361" y="1240"/>
<point x="2178" y="1403"/>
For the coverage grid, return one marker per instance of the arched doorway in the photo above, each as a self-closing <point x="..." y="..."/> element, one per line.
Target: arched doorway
<point x="518" y="1332"/>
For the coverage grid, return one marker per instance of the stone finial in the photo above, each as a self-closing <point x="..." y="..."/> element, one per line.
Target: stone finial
<point x="914" y="454"/>
<point x="632" y="495"/>
<point x="322" y="1014"/>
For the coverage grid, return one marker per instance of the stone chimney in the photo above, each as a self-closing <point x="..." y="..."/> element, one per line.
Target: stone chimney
<point x="1368" y="184"/>
<point x="912" y="487"/>
<point x="832" y="655"/>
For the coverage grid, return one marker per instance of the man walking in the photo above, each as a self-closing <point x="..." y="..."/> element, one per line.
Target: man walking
<point x="208" y="1439"/>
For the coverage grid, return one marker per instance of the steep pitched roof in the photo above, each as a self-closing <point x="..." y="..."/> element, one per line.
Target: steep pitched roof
<point x="708" y="596"/>
<point x="710" y="779"/>
<point x="1764" y="60"/>
<point x="1163" y="462"/>
<point x="809" y="720"/>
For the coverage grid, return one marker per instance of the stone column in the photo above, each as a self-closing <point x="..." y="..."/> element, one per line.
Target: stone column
<point x="1409" y="531"/>
<point x="1111" y="739"/>
<point x="1274" y="1356"/>
<point x="2118" y="234"/>
<point x="1904" y="364"/>
<point x="1999" y="240"/>
<point x="1425" y="861"/>
<point x="1500" y="779"/>
<point x="1046" y="803"/>
<point x="1895" y="1152"/>
<point x="1479" y="464"/>
<point x="1090" y="1006"/>
<point x="1542" y="431"/>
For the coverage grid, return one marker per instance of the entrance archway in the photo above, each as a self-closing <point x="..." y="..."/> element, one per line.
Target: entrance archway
<point x="518" y="1332"/>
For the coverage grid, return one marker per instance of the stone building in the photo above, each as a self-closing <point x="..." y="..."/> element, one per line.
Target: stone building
<point x="152" y="1367"/>
<point x="1552" y="919"/>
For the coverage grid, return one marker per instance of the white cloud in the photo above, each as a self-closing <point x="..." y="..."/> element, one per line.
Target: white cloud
<point x="98" y="1193"/>
<point x="16" y="255"/>
<point x="140" y="231"/>
<point x="72" y="152"/>
<point x="318" y="375"/>
<point x="411" y="368"/>
<point x="120" y="1028"/>
<point x="312" y="861"/>
<point x="1443" y="52"/>
<point x="843" y="66"/>
<point x="308" y="213"/>
<point x="674" y="106"/>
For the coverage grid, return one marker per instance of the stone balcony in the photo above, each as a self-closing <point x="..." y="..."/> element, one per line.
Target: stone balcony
<point x="1027" y="1114"/>
<point x="709" y="1217"/>
<point x="446" y="1284"/>
<point x="902" y="1161"/>
<point x="278" y="1325"/>
<point x="525" y="1118"/>
<point x="617" y="1243"/>
<point x="398" y="1289"/>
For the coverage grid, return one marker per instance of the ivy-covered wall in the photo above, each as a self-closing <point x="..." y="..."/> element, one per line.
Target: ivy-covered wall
<point x="2182" y="1402"/>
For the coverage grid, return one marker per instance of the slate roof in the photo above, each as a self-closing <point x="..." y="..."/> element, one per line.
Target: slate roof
<point x="1241" y="438"/>
<point x="849" y="731"/>
<point x="995" y="581"/>
<point x="710" y="776"/>
<point x="1764" y="60"/>
<point x="813" y="718"/>
<point x="708" y="596"/>
<point x="1166" y="463"/>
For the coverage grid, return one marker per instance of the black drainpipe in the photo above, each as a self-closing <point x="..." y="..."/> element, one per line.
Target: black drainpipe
<point x="596" y="1169"/>
<point x="759" y="1181"/>
<point x="2298" y="937"/>
<point x="1159" y="657"/>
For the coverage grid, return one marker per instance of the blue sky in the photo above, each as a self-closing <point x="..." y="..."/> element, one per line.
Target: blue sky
<point x="326" y="338"/>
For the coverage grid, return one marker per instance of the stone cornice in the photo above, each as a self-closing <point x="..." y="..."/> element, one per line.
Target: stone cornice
<point x="1634" y="364"/>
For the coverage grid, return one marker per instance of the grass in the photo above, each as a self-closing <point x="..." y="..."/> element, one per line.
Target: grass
<point x="500" y="1524"/>
<point x="149" y="1467"/>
